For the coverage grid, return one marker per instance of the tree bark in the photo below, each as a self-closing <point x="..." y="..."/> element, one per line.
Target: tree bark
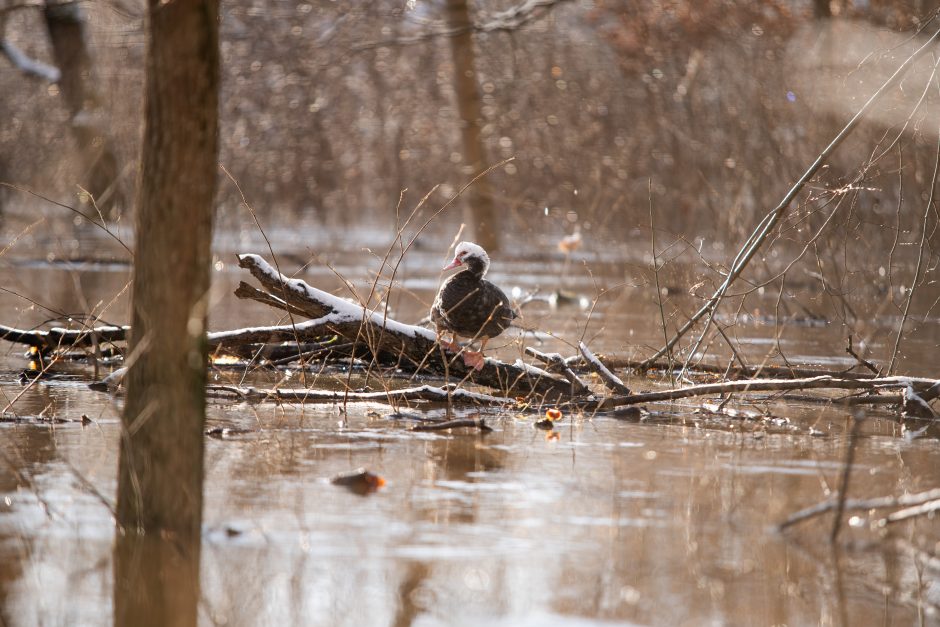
<point x="159" y="507"/>
<point x="480" y="213"/>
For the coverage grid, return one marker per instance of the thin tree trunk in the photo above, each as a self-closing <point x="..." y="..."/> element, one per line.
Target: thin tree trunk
<point x="65" y="23"/>
<point x="479" y="208"/>
<point x="159" y="506"/>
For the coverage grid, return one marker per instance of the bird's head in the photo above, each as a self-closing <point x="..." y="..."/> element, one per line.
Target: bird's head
<point x="472" y="256"/>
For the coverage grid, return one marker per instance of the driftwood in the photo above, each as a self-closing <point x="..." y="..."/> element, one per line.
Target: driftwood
<point x="555" y="361"/>
<point x="248" y="342"/>
<point x="415" y="347"/>
<point x="474" y="423"/>
<point x="425" y="393"/>
<point x="611" y="380"/>
<point x="909" y="385"/>
<point x="766" y="371"/>
<point x="62" y="338"/>
<point x="341" y="330"/>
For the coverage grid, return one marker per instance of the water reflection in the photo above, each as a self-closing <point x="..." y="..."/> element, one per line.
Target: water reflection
<point x="656" y="521"/>
<point x="156" y="579"/>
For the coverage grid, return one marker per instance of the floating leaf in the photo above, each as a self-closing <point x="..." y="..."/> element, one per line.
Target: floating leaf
<point x="360" y="481"/>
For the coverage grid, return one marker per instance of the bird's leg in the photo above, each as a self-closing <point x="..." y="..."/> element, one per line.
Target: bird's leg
<point x="475" y="359"/>
<point x="451" y="345"/>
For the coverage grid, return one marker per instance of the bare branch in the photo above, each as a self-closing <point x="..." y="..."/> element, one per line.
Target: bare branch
<point x="611" y="380"/>
<point x="772" y="219"/>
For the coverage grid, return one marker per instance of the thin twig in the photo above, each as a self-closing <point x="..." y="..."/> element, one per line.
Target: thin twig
<point x="920" y="261"/>
<point x="290" y="313"/>
<point x="659" y="293"/>
<point x="770" y="221"/>
<point x="103" y="226"/>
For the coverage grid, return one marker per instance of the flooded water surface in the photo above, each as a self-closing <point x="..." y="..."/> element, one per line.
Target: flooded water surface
<point x="667" y="518"/>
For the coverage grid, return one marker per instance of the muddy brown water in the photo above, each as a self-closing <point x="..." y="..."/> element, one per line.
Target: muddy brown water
<point x="667" y="520"/>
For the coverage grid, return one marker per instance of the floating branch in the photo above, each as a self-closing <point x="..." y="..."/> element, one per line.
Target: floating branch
<point x="424" y="393"/>
<point x="762" y="385"/>
<point x="415" y="346"/>
<point x="735" y="372"/>
<point x="474" y="423"/>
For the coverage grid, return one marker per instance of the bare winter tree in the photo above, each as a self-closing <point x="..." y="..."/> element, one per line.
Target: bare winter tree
<point x="480" y="213"/>
<point x="66" y="25"/>
<point x="161" y="463"/>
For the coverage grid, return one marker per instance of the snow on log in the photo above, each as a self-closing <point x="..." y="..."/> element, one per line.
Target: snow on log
<point x="61" y="338"/>
<point x="611" y="380"/>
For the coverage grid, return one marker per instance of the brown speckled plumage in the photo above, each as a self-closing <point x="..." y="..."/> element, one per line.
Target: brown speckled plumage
<point x="467" y="304"/>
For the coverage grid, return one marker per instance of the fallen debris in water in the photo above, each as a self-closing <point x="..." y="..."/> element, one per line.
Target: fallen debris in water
<point x="359" y="481"/>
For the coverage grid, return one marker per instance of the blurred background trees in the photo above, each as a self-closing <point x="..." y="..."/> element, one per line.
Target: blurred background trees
<point x="329" y="110"/>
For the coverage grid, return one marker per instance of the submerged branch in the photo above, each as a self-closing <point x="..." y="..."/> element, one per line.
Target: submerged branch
<point x="882" y="502"/>
<point x="474" y="423"/>
<point x="423" y="393"/>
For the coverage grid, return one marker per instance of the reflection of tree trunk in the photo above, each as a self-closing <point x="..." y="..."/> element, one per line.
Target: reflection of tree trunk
<point x="480" y="213"/>
<point x="324" y="169"/>
<point x="66" y="26"/>
<point x="161" y="465"/>
<point x="408" y="609"/>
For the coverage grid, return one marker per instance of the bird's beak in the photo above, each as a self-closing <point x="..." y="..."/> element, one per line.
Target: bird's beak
<point x="453" y="264"/>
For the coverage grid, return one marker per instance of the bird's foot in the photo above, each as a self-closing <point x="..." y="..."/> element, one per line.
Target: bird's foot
<point x="448" y="345"/>
<point x="473" y="359"/>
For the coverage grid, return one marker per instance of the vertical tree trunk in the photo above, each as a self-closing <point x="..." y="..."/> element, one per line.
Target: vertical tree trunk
<point x="480" y="211"/>
<point x="821" y="9"/>
<point x="65" y="23"/>
<point x="161" y="463"/>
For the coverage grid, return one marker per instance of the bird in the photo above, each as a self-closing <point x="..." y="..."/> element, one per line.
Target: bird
<point x="470" y="306"/>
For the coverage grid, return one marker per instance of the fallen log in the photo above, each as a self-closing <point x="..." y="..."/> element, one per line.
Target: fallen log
<point x="60" y="337"/>
<point x="734" y="372"/>
<point x="910" y="385"/>
<point x="415" y="347"/>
